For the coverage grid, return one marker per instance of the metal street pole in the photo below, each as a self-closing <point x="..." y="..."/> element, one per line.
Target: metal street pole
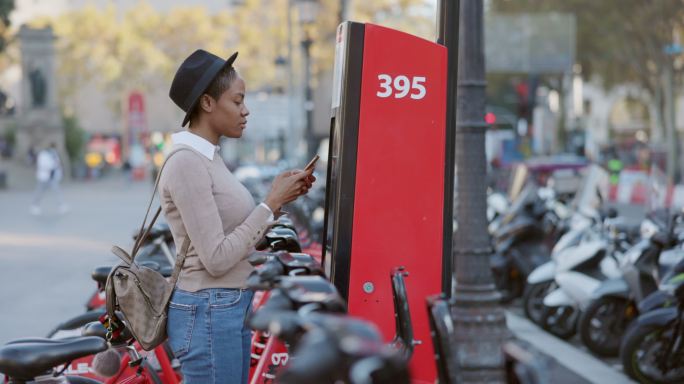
<point x="290" y="89"/>
<point x="479" y="321"/>
<point x="308" y="98"/>
<point x="343" y="13"/>
<point x="447" y="35"/>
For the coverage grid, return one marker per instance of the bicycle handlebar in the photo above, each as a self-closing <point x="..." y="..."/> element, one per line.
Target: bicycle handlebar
<point x="404" y="338"/>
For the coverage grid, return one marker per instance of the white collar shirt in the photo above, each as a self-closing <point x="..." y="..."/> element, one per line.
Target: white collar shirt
<point x="204" y="147"/>
<point x="196" y="142"/>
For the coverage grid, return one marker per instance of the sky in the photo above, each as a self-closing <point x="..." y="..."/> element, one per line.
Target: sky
<point x="25" y="10"/>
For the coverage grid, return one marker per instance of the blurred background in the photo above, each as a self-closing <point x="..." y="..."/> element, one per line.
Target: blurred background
<point x="595" y="82"/>
<point x="569" y="83"/>
<point x="107" y="66"/>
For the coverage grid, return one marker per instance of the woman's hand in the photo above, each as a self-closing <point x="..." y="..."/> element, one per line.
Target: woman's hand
<point x="309" y="180"/>
<point x="287" y="187"/>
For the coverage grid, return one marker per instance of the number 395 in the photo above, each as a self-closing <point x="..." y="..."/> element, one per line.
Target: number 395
<point x="400" y="86"/>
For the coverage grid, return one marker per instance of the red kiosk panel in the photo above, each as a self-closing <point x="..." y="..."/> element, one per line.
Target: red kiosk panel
<point x="399" y="187"/>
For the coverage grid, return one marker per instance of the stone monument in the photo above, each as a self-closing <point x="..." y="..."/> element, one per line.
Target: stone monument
<point x="39" y="121"/>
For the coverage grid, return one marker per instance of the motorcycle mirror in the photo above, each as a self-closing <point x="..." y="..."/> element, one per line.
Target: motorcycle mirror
<point x="679" y="292"/>
<point x="612" y="213"/>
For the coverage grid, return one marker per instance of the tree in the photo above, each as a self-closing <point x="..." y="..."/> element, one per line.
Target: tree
<point x="74" y="138"/>
<point x="626" y="41"/>
<point x="6" y="7"/>
<point x="410" y="16"/>
<point x="141" y="48"/>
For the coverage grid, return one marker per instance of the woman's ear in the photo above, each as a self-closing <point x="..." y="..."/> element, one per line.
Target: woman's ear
<point x="207" y="103"/>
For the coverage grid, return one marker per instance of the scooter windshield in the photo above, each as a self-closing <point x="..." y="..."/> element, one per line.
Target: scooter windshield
<point x="593" y="190"/>
<point x="517" y="181"/>
<point x="657" y="189"/>
<point x="526" y="197"/>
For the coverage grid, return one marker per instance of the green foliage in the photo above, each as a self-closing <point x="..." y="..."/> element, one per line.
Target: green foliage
<point x="10" y="135"/>
<point x="74" y="138"/>
<point x="620" y="40"/>
<point x="6" y="7"/>
<point x="140" y="49"/>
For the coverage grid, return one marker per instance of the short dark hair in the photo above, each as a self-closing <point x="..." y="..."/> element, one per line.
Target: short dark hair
<point x="223" y="80"/>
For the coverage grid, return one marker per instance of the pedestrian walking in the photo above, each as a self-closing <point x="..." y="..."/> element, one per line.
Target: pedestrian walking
<point x="204" y="202"/>
<point x="48" y="175"/>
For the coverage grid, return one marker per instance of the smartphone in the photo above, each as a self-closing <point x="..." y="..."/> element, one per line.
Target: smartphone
<point x="312" y="163"/>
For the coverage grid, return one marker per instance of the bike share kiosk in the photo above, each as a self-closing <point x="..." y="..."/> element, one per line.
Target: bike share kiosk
<point x="385" y="181"/>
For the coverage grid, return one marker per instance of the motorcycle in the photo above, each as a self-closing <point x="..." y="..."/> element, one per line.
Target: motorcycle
<point x="652" y="350"/>
<point x="614" y="304"/>
<point x="522" y="241"/>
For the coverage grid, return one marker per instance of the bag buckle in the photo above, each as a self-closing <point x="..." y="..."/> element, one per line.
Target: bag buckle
<point x="113" y="327"/>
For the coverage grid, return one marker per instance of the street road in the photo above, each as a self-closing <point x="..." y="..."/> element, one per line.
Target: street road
<point x="45" y="261"/>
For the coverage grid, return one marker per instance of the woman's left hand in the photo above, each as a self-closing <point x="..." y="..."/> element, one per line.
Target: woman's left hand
<point x="307" y="181"/>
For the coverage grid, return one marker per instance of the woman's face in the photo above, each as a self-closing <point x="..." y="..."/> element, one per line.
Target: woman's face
<point x="229" y="117"/>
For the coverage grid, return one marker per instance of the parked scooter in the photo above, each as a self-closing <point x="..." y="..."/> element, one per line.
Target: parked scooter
<point x="615" y="303"/>
<point x="523" y="241"/>
<point x="541" y="281"/>
<point x="652" y="350"/>
<point x="578" y="272"/>
<point x="584" y="226"/>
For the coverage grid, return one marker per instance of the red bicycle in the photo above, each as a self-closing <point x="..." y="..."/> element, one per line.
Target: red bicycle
<point x="307" y="314"/>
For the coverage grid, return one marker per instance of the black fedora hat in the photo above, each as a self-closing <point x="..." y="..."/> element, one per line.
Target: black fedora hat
<point x="193" y="78"/>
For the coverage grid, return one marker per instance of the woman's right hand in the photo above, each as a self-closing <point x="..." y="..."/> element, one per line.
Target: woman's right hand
<point x="287" y="187"/>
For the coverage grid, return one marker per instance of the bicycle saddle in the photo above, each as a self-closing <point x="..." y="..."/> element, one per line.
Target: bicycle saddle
<point x="283" y="239"/>
<point x="296" y="260"/>
<point x="165" y="270"/>
<point x="304" y="290"/>
<point x="25" y="361"/>
<point x="159" y="229"/>
<point x="279" y="239"/>
<point x="100" y="274"/>
<point x="37" y="340"/>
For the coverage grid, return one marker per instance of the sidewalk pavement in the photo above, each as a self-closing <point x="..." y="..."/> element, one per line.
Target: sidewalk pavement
<point x="19" y="176"/>
<point x="569" y="364"/>
<point x="47" y="259"/>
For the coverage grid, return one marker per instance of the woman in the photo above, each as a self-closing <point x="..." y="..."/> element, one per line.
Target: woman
<point x="203" y="201"/>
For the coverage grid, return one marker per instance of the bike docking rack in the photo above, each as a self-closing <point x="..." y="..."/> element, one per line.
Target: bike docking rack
<point x="385" y="185"/>
<point x="301" y="308"/>
<point x="269" y="281"/>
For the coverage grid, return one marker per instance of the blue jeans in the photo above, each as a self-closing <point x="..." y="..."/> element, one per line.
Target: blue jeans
<point x="208" y="335"/>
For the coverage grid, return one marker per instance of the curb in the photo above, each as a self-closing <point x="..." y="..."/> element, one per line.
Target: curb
<point x="572" y="358"/>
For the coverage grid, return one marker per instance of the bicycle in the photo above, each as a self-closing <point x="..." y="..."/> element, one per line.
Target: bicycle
<point x="521" y="366"/>
<point x="302" y="306"/>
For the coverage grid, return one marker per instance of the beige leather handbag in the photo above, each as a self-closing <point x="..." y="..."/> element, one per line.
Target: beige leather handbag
<point x="139" y="293"/>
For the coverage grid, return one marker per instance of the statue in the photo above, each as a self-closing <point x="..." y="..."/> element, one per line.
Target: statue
<point x="38" y="87"/>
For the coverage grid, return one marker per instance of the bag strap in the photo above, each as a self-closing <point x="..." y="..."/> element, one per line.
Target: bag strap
<point x="180" y="259"/>
<point x="110" y="299"/>
<point x="109" y="286"/>
<point x="142" y="234"/>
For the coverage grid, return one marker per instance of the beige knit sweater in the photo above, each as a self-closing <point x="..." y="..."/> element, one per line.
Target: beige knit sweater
<point x="202" y="199"/>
